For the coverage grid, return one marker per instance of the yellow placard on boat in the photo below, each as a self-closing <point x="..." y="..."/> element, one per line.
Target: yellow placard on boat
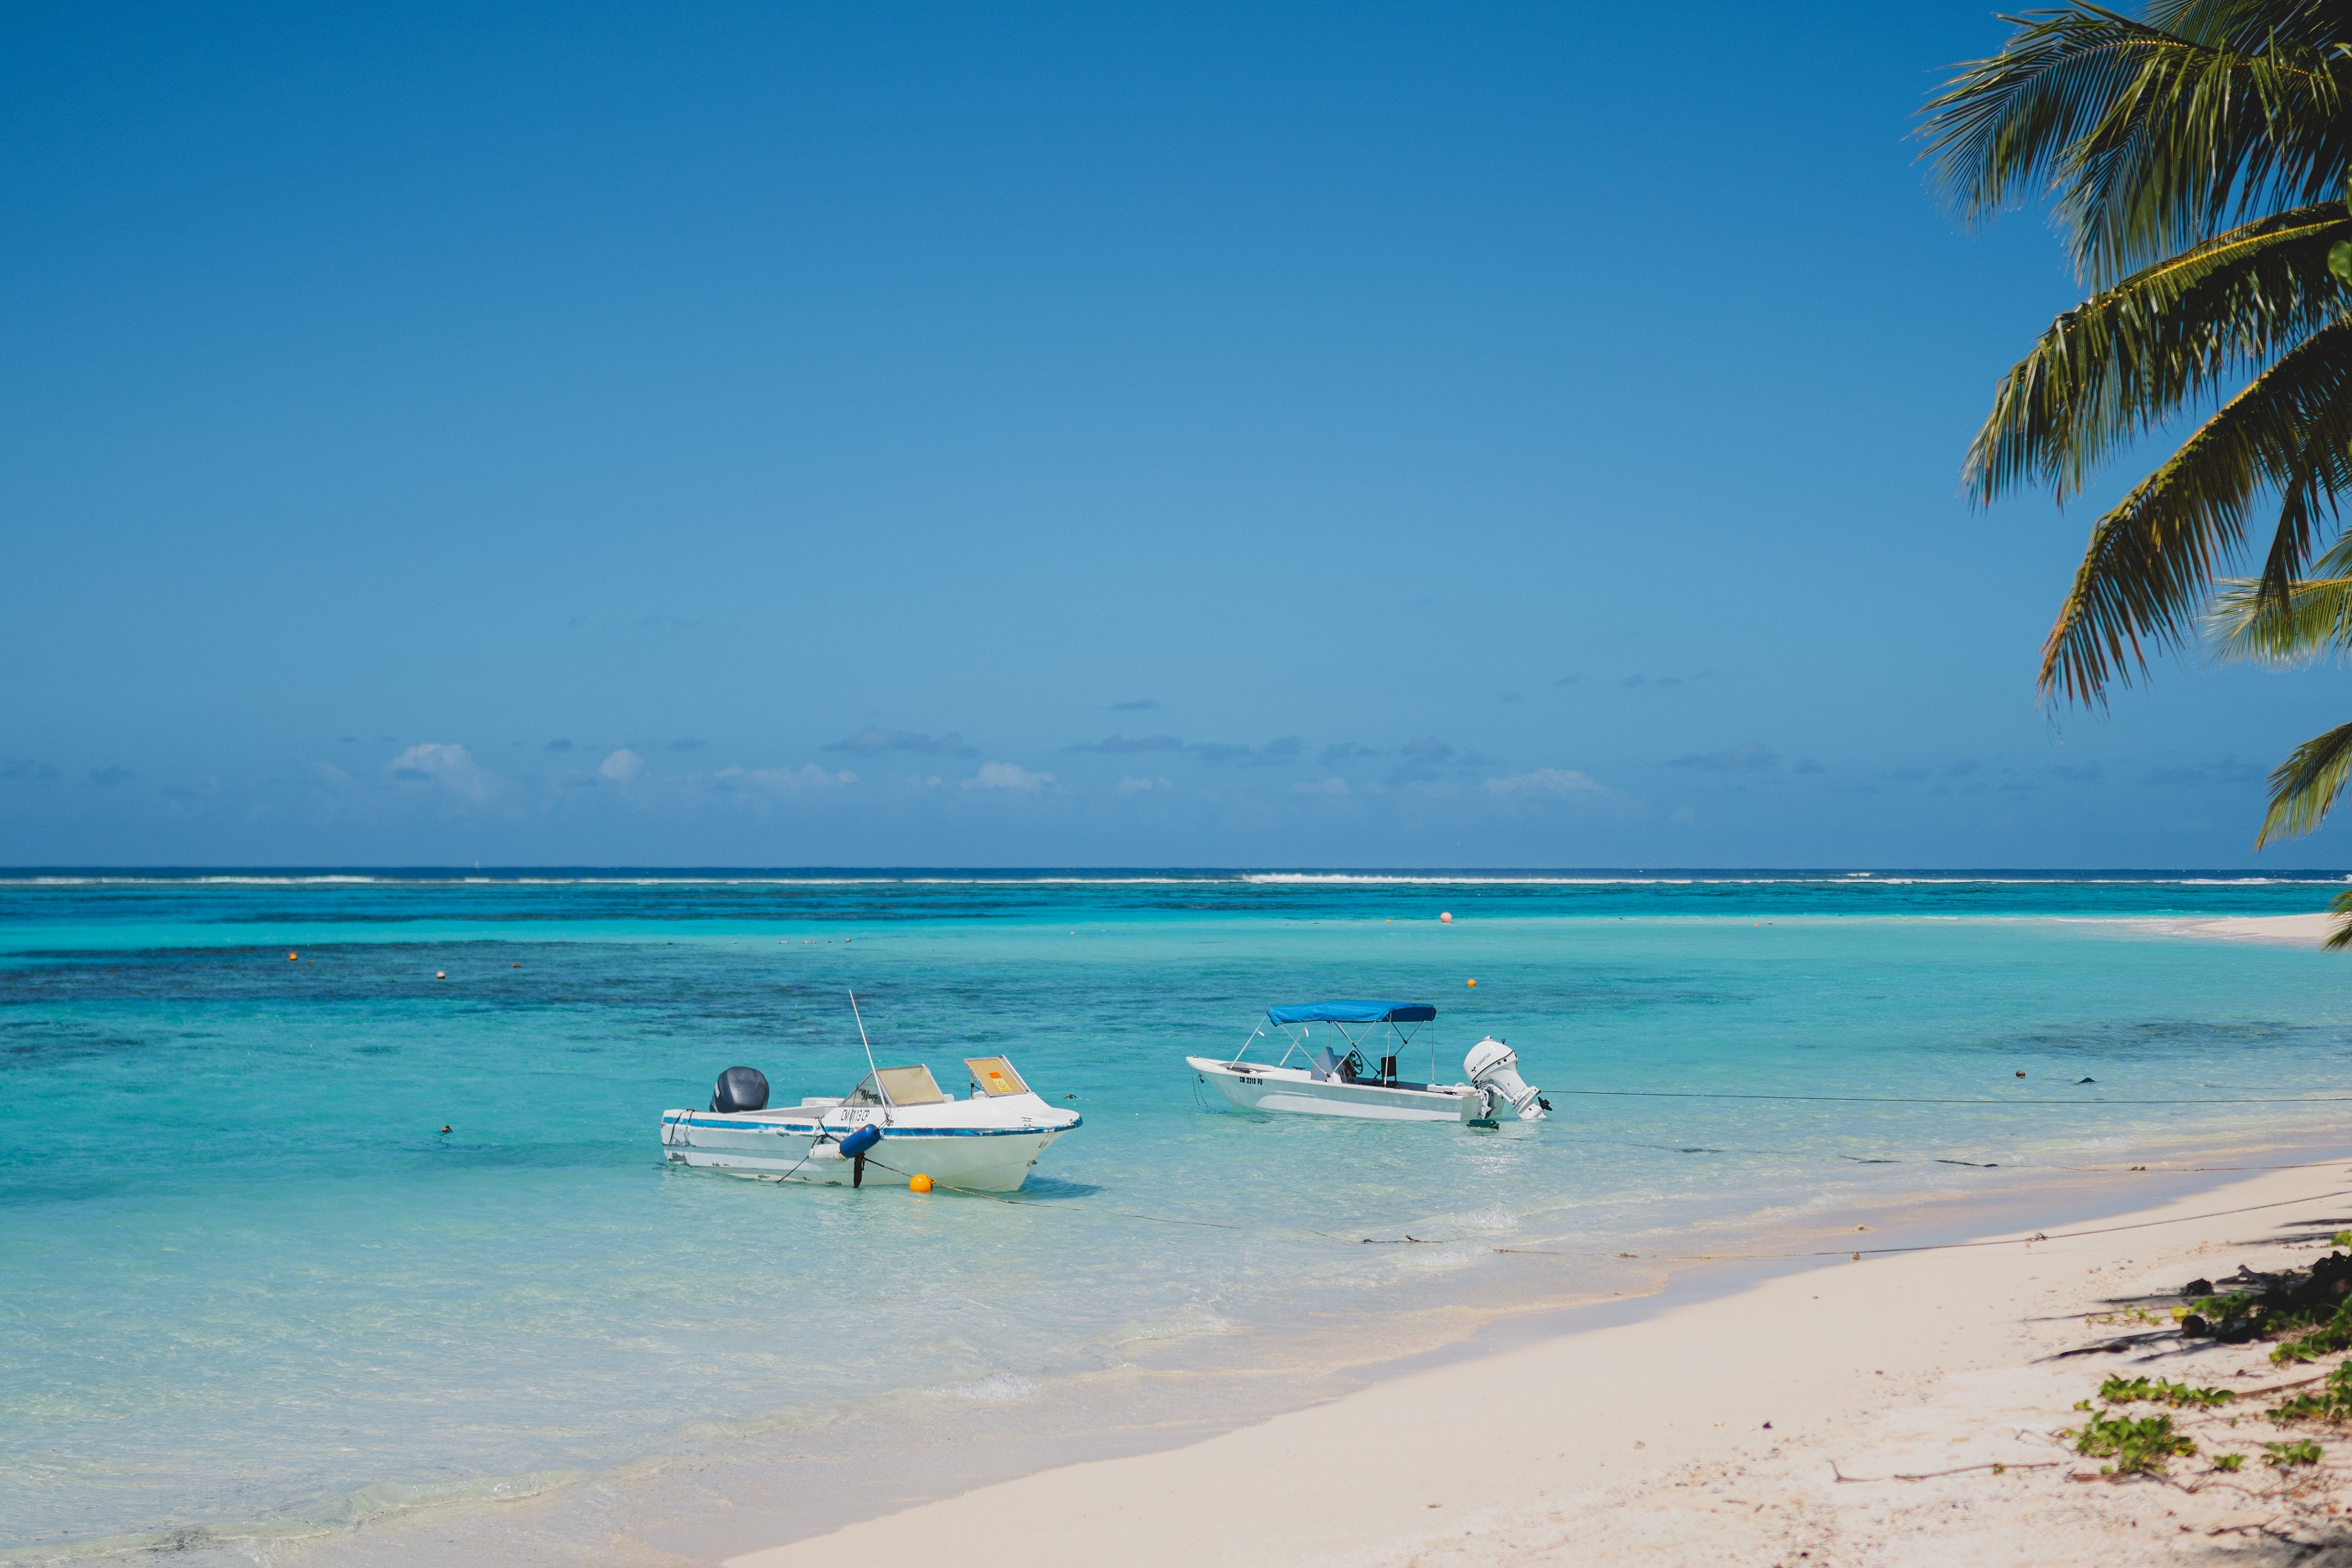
<point x="993" y="1076"/>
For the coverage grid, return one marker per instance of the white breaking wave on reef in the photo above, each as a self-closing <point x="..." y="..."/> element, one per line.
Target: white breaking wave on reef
<point x="1193" y="878"/>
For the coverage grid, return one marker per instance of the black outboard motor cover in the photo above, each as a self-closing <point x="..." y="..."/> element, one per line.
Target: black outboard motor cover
<point x="741" y="1089"/>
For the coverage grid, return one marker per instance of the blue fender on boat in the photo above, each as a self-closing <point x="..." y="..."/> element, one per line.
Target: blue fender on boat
<point x="859" y="1142"/>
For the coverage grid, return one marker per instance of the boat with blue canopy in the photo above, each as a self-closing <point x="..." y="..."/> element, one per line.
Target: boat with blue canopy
<point x="1348" y="1053"/>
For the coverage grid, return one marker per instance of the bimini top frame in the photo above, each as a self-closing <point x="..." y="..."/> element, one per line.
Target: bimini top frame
<point x="1351" y="1012"/>
<point x="1294" y="1020"/>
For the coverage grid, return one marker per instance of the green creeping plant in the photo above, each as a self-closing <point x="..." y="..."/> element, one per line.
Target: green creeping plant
<point x="2126" y="1390"/>
<point x="2139" y="1445"/>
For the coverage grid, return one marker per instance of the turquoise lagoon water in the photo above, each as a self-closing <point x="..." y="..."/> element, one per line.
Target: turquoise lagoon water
<point x="254" y="1305"/>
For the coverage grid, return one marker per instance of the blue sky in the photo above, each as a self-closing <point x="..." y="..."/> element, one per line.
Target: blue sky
<point x="1364" y="435"/>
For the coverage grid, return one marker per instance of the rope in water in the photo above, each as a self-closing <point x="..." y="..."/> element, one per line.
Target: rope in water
<point x="1978" y="1164"/>
<point x="1930" y="1246"/>
<point x="1857" y="1253"/>
<point x="1034" y="1204"/>
<point x="1130" y="1214"/>
<point x="1923" y="1100"/>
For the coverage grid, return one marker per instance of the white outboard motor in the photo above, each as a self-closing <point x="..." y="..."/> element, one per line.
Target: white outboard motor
<point x="1493" y="1065"/>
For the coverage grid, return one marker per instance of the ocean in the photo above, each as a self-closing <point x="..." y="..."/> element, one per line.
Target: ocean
<point x="257" y="1307"/>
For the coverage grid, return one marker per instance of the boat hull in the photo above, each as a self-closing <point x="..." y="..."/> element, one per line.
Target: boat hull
<point x="979" y="1159"/>
<point x="1249" y="1086"/>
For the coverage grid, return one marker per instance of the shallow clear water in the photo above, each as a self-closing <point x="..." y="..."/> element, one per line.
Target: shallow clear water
<point x="249" y="1284"/>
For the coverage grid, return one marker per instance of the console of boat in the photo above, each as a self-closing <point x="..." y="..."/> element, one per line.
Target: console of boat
<point x="897" y="1124"/>
<point x="1340" y="1078"/>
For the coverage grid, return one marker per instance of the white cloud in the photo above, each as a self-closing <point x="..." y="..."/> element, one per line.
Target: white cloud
<point x="790" y="779"/>
<point x="622" y="767"/>
<point x="1545" y="783"/>
<point x="1320" y="786"/>
<point x="449" y="766"/>
<point x="1136" y="786"/>
<point x="1009" y="776"/>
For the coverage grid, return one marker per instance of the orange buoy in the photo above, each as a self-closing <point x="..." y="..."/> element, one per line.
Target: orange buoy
<point x="440" y="974"/>
<point x="918" y="1183"/>
<point x="1473" y="983"/>
<point x="292" y="956"/>
<point x="1445" y="917"/>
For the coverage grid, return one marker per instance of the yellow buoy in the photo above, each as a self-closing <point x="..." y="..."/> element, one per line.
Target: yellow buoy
<point x="918" y="1183"/>
<point x="292" y="957"/>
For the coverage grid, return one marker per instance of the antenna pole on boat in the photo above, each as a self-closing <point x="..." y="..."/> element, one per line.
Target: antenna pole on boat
<point x="864" y="1041"/>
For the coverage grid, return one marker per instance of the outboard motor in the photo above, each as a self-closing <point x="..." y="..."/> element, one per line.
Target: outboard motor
<point x="1493" y="1065"/>
<point x="741" y="1089"/>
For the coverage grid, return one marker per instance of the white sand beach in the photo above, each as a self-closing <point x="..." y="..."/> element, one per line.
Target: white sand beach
<point x="1853" y="1412"/>
<point x="2285" y="930"/>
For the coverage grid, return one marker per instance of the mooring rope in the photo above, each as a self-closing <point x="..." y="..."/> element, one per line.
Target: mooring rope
<point x="1034" y="1203"/>
<point x="1931" y="1100"/>
<point x="1857" y="1253"/>
<point x="1861" y="1252"/>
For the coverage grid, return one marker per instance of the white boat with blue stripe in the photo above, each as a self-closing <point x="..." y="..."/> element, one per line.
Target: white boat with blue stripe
<point x="895" y="1126"/>
<point x="1341" y="1079"/>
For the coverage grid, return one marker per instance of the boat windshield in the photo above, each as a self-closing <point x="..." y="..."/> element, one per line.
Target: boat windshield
<point x="896" y="1086"/>
<point x="993" y="1076"/>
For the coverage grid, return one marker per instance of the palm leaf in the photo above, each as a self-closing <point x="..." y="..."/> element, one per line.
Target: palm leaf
<point x="2238" y="24"/>
<point x="2152" y="135"/>
<point x="2152" y="560"/>
<point x="2340" y="905"/>
<point x="2246" y="625"/>
<point x="2305" y="785"/>
<point x="2166" y="338"/>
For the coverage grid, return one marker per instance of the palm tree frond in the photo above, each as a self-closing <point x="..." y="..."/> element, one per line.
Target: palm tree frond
<point x="2152" y="135"/>
<point x="2340" y="905"/>
<point x="2153" y="559"/>
<point x="2247" y="626"/>
<point x="2305" y="785"/>
<point x="2248" y="24"/>
<point x="2167" y="337"/>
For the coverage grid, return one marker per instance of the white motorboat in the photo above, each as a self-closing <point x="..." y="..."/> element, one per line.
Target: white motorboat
<point x="895" y="1125"/>
<point x="1340" y="1079"/>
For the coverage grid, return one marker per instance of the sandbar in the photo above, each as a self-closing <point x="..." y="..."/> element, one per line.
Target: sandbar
<point x="2283" y="931"/>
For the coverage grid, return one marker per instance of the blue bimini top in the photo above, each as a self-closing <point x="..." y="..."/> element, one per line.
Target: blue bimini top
<point x="1352" y="1012"/>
